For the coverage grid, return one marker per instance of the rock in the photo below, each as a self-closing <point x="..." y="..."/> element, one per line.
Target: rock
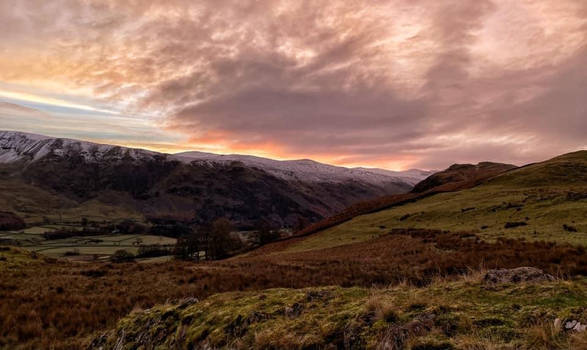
<point x="395" y="336"/>
<point x="294" y="311"/>
<point x="574" y="325"/>
<point x="517" y="275"/>
<point x="557" y="323"/>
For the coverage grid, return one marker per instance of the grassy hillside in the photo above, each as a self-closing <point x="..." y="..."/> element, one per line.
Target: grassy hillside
<point x="543" y="201"/>
<point x="567" y="170"/>
<point x="446" y="315"/>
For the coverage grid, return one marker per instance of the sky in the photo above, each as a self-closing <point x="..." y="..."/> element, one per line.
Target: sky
<point x="391" y="84"/>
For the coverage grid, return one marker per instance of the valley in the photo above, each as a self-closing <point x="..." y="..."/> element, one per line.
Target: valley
<point x="403" y="271"/>
<point x="293" y="175"/>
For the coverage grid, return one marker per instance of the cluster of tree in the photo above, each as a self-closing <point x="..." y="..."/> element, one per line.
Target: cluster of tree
<point x="266" y="233"/>
<point x="174" y="229"/>
<point x="209" y="242"/>
<point x="130" y="227"/>
<point x="65" y="233"/>
<point x="153" y="251"/>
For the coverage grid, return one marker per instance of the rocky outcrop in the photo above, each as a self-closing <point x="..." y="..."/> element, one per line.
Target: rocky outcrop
<point x="569" y="325"/>
<point x="517" y="275"/>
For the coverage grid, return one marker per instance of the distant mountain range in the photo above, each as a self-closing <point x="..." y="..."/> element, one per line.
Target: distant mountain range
<point x="307" y="170"/>
<point x="195" y="185"/>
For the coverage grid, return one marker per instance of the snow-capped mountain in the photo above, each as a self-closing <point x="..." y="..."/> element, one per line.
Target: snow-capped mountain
<point x="200" y="186"/>
<point x="21" y="146"/>
<point x="308" y="170"/>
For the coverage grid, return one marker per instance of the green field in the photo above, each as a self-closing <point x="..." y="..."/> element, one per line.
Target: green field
<point x="102" y="245"/>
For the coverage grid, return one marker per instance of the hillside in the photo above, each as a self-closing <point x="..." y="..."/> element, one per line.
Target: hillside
<point x="467" y="217"/>
<point x="415" y="271"/>
<point x="455" y="315"/>
<point x="79" y="174"/>
<point x="461" y="174"/>
<point x="542" y="201"/>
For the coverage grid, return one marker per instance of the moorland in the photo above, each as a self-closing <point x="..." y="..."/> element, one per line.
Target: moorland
<point x="407" y="271"/>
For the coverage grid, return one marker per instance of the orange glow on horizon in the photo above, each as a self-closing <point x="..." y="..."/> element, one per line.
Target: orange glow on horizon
<point x="399" y="163"/>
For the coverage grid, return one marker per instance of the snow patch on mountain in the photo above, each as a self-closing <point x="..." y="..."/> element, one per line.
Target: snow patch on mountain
<point x="21" y="146"/>
<point x="307" y="170"/>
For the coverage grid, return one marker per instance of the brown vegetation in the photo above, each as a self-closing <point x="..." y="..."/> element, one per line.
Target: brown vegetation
<point x="49" y="302"/>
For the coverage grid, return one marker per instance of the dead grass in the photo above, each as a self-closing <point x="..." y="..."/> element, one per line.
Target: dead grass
<point x="48" y="302"/>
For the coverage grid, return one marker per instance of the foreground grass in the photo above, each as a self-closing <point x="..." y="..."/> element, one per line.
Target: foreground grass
<point x="464" y="314"/>
<point x="48" y="303"/>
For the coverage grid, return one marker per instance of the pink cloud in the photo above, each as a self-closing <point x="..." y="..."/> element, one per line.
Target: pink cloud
<point x="423" y="82"/>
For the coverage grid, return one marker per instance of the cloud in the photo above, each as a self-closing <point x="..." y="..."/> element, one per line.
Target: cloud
<point x="386" y="83"/>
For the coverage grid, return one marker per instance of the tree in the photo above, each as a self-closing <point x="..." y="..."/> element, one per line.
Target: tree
<point x="214" y="239"/>
<point x="189" y="247"/>
<point x="220" y="242"/>
<point x="265" y="232"/>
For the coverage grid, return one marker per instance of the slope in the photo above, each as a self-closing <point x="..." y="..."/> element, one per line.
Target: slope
<point x="542" y="201"/>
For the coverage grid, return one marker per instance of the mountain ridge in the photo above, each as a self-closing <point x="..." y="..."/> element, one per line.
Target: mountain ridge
<point x="17" y="146"/>
<point x="152" y="183"/>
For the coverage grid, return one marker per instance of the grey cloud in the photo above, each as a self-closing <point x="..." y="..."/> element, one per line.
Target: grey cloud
<point x="316" y="78"/>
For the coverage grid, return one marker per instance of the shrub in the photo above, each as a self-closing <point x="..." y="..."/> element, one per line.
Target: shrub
<point x="569" y="228"/>
<point x="514" y="224"/>
<point x="74" y="252"/>
<point x="121" y="256"/>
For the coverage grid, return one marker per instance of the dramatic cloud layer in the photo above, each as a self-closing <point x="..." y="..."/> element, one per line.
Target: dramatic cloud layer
<point x="406" y="83"/>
